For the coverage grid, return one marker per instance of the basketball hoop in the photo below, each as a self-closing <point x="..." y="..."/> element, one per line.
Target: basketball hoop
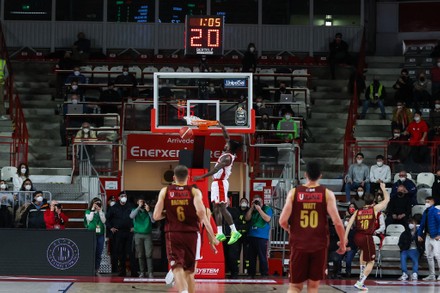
<point x="202" y="124"/>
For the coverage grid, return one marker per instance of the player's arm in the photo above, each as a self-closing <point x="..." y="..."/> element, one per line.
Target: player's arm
<point x="287" y="211"/>
<point x="225" y="161"/>
<point x="225" y="132"/>
<point x="332" y="210"/>
<point x="158" y="209"/>
<point x="201" y="213"/>
<point x="386" y="199"/>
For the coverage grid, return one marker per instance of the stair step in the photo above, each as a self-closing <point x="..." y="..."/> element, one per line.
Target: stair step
<point x="325" y="116"/>
<point x="35" y="97"/>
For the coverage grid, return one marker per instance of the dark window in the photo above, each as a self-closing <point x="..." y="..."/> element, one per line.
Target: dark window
<point x="236" y="11"/>
<point x="175" y="10"/>
<point x="337" y="12"/>
<point x="79" y="10"/>
<point x="28" y="9"/>
<point x="130" y="10"/>
<point x="278" y="12"/>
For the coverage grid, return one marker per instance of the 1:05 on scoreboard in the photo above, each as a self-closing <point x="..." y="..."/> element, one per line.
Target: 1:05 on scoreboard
<point x="204" y="35"/>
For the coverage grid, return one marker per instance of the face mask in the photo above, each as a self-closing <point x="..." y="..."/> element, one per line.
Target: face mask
<point x="345" y="223"/>
<point x="411" y="226"/>
<point x="75" y="101"/>
<point x="86" y="130"/>
<point x="76" y="73"/>
<point x="399" y="107"/>
<point x="288" y="117"/>
<point x="125" y="73"/>
<point x="437" y="106"/>
<point x="251" y="49"/>
<point x="379" y="164"/>
<point x="39" y="198"/>
<point x="359" y="161"/>
<point x="402" y="178"/>
<point x="416" y="119"/>
<point x="396" y="134"/>
<point x="3" y="186"/>
<point x="123" y="199"/>
<point x="427" y="205"/>
<point x="27" y="187"/>
<point x="112" y="203"/>
<point x="23" y="170"/>
<point x="360" y="193"/>
<point x="259" y="104"/>
<point x="351" y="210"/>
<point x="243" y="205"/>
<point x="74" y="87"/>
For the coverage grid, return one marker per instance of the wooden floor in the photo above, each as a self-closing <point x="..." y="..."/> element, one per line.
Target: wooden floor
<point x="115" y="284"/>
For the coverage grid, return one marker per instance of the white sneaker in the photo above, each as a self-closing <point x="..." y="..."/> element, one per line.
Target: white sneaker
<point x="429" y="278"/>
<point x="403" y="277"/>
<point x="414" y="277"/>
<point x="360" y="286"/>
<point x="169" y="278"/>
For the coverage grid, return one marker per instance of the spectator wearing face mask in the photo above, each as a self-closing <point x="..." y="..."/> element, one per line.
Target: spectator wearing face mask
<point x="22" y="174"/>
<point x="409" y="185"/>
<point x="126" y="78"/>
<point x="77" y="76"/>
<point x="435" y="78"/>
<point x="33" y="216"/>
<point x="379" y="173"/>
<point x="259" y="106"/>
<point x="287" y="137"/>
<point x="94" y="220"/>
<point x="54" y="217"/>
<point x="358" y="175"/>
<point x="422" y="91"/>
<point x="357" y="199"/>
<point x="81" y="47"/>
<point x="338" y="53"/>
<point x="6" y="206"/>
<point x="399" y="208"/>
<point x="404" y="88"/>
<point x="243" y="227"/>
<point x="73" y="121"/>
<point x="74" y="89"/>
<point x="249" y="62"/>
<point x="351" y="246"/>
<point x="374" y="97"/>
<point x="417" y="130"/>
<point x="85" y="132"/>
<point x="402" y="116"/>
<point x="409" y="248"/>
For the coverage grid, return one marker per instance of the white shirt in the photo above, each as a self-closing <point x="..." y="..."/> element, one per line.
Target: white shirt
<point x="383" y="173"/>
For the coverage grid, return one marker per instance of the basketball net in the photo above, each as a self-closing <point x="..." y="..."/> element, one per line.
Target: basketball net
<point x="202" y="124"/>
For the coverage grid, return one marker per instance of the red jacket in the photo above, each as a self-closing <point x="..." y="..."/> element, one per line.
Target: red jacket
<point x="55" y="222"/>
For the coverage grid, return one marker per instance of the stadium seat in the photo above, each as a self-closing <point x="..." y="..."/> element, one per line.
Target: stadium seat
<point x="425" y="180"/>
<point x="167" y="69"/>
<point x="422" y="194"/>
<point x="146" y="73"/>
<point x="136" y="70"/>
<point x="396" y="177"/>
<point x="390" y="248"/>
<point x="86" y="71"/>
<point x="267" y="71"/>
<point x="8" y="172"/>
<point x="100" y="77"/>
<point x="394" y="230"/>
<point x="117" y="70"/>
<point x="412" y="50"/>
<point x="418" y="209"/>
<point x="427" y="62"/>
<point x="410" y="61"/>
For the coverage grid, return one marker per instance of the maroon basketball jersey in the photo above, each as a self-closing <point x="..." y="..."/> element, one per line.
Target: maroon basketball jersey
<point x="365" y="221"/>
<point x="308" y="221"/>
<point x="181" y="215"/>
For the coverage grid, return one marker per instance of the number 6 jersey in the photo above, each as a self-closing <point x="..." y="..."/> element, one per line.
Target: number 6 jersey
<point x="308" y="220"/>
<point x="181" y="214"/>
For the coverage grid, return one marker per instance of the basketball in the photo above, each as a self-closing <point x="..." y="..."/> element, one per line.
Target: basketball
<point x="186" y="132"/>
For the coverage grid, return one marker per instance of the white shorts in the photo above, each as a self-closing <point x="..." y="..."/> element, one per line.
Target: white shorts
<point x="199" y="247"/>
<point x="219" y="191"/>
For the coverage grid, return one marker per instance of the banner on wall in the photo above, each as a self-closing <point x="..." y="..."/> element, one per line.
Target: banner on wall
<point x="164" y="147"/>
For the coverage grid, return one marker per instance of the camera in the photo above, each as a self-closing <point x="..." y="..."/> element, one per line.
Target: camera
<point x="257" y="202"/>
<point x="58" y="206"/>
<point x="99" y="204"/>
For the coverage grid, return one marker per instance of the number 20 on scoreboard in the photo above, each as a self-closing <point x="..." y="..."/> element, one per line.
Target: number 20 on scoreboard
<point x="204" y="35"/>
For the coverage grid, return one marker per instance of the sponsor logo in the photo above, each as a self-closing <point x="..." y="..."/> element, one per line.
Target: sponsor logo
<point x="62" y="254"/>
<point x="139" y="152"/>
<point x="207" y="271"/>
<point x="235" y="82"/>
<point x="310" y="197"/>
<point x="205" y="51"/>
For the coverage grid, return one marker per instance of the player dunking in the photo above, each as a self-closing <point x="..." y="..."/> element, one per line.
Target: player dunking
<point x="304" y="217"/>
<point x="364" y="220"/>
<point x="184" y="211"/>
<point x="220" y="185"/>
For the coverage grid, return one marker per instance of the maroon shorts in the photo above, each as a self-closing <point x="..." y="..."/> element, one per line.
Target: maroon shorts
<point x="365" y="243"/>
<point x="307" y="265"/>
<point x="181" y="249"/>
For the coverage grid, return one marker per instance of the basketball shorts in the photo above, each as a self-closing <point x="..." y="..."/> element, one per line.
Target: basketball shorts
<point x="219" y="191"/>
<point x="181" y="249"/>
<point x="307" y="265"/>
<point x="365" y="243"/>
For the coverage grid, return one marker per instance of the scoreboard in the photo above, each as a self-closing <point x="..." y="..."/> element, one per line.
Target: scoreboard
<point x="204" y="35"/>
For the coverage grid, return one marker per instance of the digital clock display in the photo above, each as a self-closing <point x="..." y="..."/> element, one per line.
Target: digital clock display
<point x="204" y="35"/>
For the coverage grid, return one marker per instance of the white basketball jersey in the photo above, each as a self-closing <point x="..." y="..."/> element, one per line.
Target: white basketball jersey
<point x="223" y="173"/>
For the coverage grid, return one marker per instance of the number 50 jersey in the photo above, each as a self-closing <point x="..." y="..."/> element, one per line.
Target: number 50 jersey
<point x="308" y="222"/>
<point x="181" y="215"/>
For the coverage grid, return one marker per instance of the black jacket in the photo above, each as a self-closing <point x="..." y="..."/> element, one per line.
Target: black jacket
<point x="119" y="217"/>
<point x="406" y="238"/>
<point x="34" y="218"/>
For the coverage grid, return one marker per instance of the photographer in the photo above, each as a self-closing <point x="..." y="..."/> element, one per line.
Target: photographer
<point x="143" y="225"/>
<point x="94" y="220"/>
<point x="259" y="216"/>
<point x="54" y="217"/>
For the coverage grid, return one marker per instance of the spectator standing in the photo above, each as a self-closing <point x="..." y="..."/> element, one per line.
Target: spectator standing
<point x="143" y="221"/>
<point x="379" y="173"/>
<point x="429" y="231"/>
<point x="121" y="226"/>
<point x="357" y="199"/>
<point x="404" y="88"/>
<point x="81" y="48"/>
<point x="126" y="78"/>
<point x="409" y="248"/>
<point x="6" y="206"/>
<point x="94" y="220"/>
<point x="3" y="76"/>
<point x="358" y="175"/>
<point x="259" y="215"/>
<point x="54" y="218"/>
<point x="422" y="91"/>
<point x="399" y="209"/>
<point x="418" y="134"/>
<point x="402" y="116"/>
<point x="374" y="96"/>
<point x="435" y="79"/>
<point x="33" y="216"/>
<point x="76" y="75"/>
<point x="409" y="185"/>
<point x="338" y="53"/>
<point x="243" y="227"/>
<point x="22" y="174"/>
<point x="249" y="62"/>
<point x="436" y="187"/>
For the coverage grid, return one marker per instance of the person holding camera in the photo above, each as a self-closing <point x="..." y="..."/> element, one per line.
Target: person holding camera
<point x="94" y="220"/>
<point x="143" y="225"/>
<point x="54" y="217"/>
<point x="259" y="216"/>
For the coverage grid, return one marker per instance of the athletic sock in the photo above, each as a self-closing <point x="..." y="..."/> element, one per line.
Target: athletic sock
<point x="362" y="271"/>
<point x="184" y="291"/>
<point x="362" y="278"/>
<point x="233" y="229"/>
<point x="219" y="230"/>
